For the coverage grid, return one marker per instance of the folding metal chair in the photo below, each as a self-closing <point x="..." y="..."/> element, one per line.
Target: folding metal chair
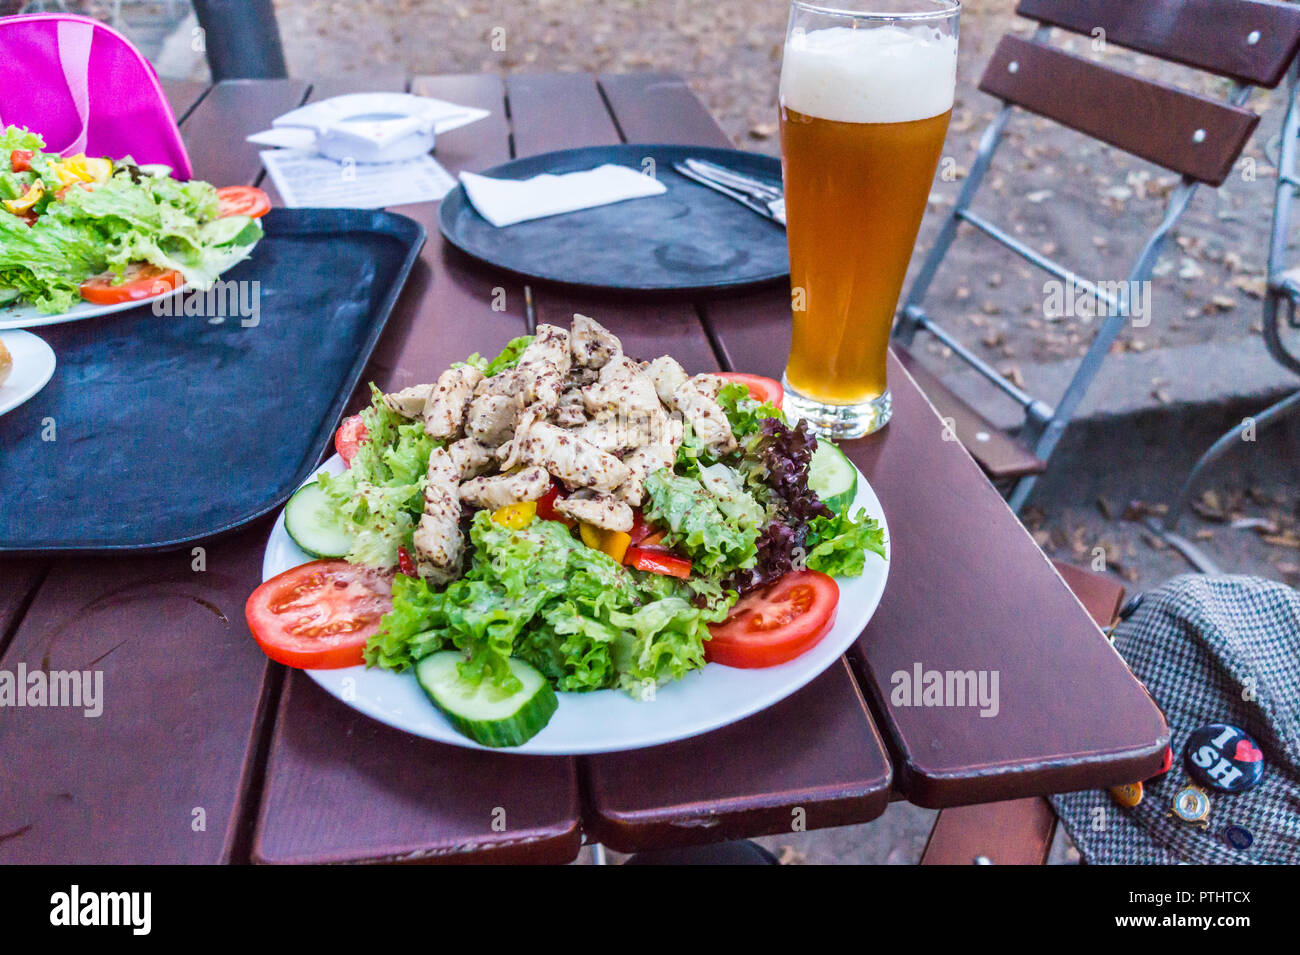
<point x="1250" y="42"/>
<point x="1281" y="296"/>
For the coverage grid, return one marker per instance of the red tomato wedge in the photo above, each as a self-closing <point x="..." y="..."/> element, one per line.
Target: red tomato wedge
<point x="352" y="433"/>
<point x="139" y="281"/>
<point x="760" y="388"/>
<point x="20" y="160"/>
<point x="656" y="560"/>
<point x="242" y="201"/>
<point x="318" y="616"/>
<point x="776" y="623"/>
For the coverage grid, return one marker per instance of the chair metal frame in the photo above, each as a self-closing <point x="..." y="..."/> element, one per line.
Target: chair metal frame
<point x="1280" y="299"/>
<point x="1044" y="424"/>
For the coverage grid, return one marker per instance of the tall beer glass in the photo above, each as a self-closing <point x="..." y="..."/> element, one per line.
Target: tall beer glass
<point x="866" y="94"/>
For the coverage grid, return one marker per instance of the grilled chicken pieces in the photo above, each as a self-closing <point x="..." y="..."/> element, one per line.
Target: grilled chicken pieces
<point x="573" y="408"/>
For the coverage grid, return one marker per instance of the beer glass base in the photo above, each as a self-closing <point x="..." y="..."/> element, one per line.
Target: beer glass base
<point x="838" y="421"/>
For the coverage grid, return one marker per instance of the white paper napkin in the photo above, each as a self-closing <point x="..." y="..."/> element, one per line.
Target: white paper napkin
<point x="504" y="202"/>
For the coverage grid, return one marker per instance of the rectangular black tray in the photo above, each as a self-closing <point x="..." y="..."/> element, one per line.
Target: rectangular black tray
<point x="172" y="428"/>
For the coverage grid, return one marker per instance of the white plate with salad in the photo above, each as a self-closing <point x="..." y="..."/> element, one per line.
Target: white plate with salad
<point x="84" y="236"/>
<point x="564" y="551"/>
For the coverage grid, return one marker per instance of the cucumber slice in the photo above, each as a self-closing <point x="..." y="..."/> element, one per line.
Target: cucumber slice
<point x="484" y="713"/>
<point x="312" y="522"/>
<point x="832" y="476"/>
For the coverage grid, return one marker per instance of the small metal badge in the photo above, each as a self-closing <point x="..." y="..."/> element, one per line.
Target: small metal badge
<point x="1191" y="804"/>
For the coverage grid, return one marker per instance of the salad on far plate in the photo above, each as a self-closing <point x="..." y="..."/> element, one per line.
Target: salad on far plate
<point x="565" y="518"/>
<point x="108" y="232"/>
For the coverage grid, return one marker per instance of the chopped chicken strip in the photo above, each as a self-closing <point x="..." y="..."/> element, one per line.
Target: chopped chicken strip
<point x="543" y="366"/>
<point x="492" y="418"/>
<point x="598" y="510"/>
<point x="504" y="489"/>
<point x="623" y="388"/>
<point x="592" y="344"/>
<point x="570" y="412"/>
<point x="444" y="413"/>
<point x="437" y="541"/>
<point x="706" y="417"/>
<point x="708" y="385"/>
<point x="605" y="431"/>
<point x="576" y="462"/>
<point x="409" y="402"/>
<point x="511" y="453"/>
<point x="642" y="463"/>
<point x="667" y="376"/>
<point x="471" y="457"/>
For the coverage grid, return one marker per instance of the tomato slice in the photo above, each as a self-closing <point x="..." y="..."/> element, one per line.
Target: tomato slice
<point x="352" y="433"/>
<point x="760" y="388"/>
<point x="656" y="560"/>
<point x="139" y="281"/>
<point x="318" y="616"/>
<point x="242" y="201"/>
<point x="776" y="623"/>
<point x="20" y="160"/>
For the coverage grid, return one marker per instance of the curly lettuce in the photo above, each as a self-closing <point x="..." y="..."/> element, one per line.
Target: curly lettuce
<point x="838" y="545"/>
<point x="584" y="621"/>
<point x="380" y="498"/>
<point x="716" y="526"/>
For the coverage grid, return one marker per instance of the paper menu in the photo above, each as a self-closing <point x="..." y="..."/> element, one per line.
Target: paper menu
<point x="308" y="179"/>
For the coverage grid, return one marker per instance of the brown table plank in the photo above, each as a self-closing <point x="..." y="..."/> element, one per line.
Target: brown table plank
<point x="339" y="786"/>
<point x="183" y="95"/>
<point x="969" y="590"/>
<point x="182" y="687"/>
<point x="817" y="751"/>
<point x="216" y="128"/>
<point x="185" y="685"/>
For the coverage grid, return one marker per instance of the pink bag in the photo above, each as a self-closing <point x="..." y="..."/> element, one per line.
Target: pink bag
<point x="85" y="88"/>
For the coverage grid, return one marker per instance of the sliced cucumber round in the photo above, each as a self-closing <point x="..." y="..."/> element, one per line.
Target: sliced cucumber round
<point x="314" y="525"/>
<point x="832" y="476"/>
<point x="484" y="713"/>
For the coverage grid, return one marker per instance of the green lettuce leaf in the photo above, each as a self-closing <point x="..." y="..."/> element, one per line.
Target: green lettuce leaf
<point x="381" y="496"/>
<point x="838" y="545"/>
<point x="508" y="358"/>
<point x="701" y="525"/>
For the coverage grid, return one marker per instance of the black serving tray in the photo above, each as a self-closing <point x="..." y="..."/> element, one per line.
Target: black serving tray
<point x="170" y="429"/>
<point x="690" y="238"/>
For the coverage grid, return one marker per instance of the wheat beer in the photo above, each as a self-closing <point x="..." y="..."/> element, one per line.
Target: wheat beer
<point x="864" y="111"/>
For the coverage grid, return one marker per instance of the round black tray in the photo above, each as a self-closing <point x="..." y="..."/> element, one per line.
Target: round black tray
<point x="689" y="238"/>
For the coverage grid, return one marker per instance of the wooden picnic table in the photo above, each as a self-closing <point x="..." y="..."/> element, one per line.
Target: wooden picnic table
<point x="206" y="752"/>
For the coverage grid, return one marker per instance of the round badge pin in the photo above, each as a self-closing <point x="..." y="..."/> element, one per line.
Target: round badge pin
<point x="1224" y="758"/>
<point x="1191" y="804"/>
<point x="1238" y="837"/>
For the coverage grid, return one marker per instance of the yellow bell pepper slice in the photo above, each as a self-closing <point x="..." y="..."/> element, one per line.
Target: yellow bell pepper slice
<point x="81" y="168"/>
<point x="613" y="544"/>
<point x="28" y="199"/>
<point x="516" y="516"/>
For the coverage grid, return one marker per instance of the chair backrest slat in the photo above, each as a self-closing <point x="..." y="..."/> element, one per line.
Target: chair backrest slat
<point x="1189" y="134"/>
<point x="1248" y="40"/>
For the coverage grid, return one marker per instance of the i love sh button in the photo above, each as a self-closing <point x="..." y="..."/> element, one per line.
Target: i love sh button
<point x="1223" y="757"/>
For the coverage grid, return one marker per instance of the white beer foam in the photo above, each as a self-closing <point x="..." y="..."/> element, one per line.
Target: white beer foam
<point x="887" y="74"/>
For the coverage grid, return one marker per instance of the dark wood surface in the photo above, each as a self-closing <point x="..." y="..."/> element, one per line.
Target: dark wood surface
<point x="1000" y="455"/>
<point x="285" y="773"/>
<point x="1211" y="35"/>
<point x="1018" y="831"/>
<point x="1140" y="116"/>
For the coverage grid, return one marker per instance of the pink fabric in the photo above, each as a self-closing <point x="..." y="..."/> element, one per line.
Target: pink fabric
<point x="85" y="88"/>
